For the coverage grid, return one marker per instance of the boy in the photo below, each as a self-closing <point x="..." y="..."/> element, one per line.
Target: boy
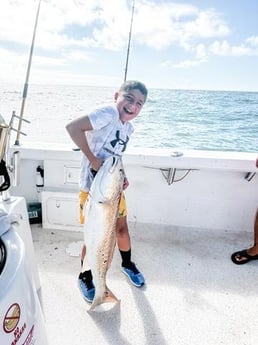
<point x="102" y="133"/>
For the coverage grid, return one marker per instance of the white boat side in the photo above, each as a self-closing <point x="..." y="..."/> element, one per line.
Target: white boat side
<point x="189" y="188"/>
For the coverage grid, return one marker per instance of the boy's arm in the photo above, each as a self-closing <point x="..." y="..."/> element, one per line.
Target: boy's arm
<point x="76" y="130"/>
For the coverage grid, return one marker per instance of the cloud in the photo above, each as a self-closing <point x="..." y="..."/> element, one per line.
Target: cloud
<point x="183" y="64"/>
<point x="207" y="24"/>
<point x="13" y="65"/>
<point x="224" y="48"/>
<point x="161" y="25"/>
<point x="253" y="41"/>
<point x="106" y="23"/>
<point x="71" y="32"/>
<point x="200" y="56"/>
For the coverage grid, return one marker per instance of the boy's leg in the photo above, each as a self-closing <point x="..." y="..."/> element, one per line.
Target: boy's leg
<point x="85" y="282"/>
<point x="124" y="246"/>
<point x="122" y="234"/>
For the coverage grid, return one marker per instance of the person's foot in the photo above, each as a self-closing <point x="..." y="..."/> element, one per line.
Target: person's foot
<point x="243" y="256"/>
<point x="86" y="287"/>
<point x="134" y="275"/>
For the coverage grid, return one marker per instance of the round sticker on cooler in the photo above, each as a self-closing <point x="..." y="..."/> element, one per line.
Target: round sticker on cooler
<point x="12" y="318"/>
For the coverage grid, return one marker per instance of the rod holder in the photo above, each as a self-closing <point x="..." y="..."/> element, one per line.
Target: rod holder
<point x="16" y="168"/>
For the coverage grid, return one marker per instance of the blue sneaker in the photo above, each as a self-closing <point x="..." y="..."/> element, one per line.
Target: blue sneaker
<point x="134" y="275"/>
<point x="87" y="288"/>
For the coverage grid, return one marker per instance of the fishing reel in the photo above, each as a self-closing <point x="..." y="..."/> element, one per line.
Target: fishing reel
<point x="3" y="172"/>
<point x="4" y="131"/>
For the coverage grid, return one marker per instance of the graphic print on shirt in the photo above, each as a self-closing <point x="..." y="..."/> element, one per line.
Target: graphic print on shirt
<point x="119" y="141"/>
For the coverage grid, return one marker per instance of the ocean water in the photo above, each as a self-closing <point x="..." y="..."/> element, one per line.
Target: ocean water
<point x="187" y="119"/>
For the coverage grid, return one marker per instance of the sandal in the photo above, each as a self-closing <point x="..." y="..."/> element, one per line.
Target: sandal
<point x="242" y="257"/>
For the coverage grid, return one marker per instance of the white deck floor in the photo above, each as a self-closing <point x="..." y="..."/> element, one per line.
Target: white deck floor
<point x="194" y="294"/>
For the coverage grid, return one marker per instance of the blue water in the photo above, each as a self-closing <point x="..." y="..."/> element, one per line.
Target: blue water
<point x="187" y="119"/>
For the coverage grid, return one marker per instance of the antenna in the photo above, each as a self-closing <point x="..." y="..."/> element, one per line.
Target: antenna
<point x="25" y="89"/>
<point x="129" y="42"/>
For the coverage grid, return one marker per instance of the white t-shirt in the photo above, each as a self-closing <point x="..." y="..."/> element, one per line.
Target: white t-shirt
<point x="108" y="137"/>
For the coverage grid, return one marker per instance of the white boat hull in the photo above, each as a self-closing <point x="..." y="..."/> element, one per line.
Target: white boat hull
<point x="214" y="193"/>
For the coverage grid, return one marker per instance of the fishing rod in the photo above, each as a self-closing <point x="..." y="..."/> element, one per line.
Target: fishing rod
<point x="25" y="89"/>
<point x="129" y="42"/>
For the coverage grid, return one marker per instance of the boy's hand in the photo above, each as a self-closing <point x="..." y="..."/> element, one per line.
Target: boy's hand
<point x="96" y="163"/>
<point x="257" y="162"/>
<point x="125" y="184"/>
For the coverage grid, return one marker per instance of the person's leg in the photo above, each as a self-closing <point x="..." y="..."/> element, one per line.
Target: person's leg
<point x="85" y="282"/>
<point x="243" y="256"/>
<point x="254" y="250"/>
<point x="124" y="246"/>
<point x="123" y="240"/>
<point x="122" y="234"/>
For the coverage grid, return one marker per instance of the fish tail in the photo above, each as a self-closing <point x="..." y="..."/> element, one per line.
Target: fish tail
<point x="108" y="297"/>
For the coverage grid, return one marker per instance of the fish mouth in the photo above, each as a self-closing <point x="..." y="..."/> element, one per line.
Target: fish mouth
<point x="114" y="163"/>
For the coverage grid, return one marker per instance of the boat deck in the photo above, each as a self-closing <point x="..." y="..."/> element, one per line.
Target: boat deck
<point x="194" y="294"/>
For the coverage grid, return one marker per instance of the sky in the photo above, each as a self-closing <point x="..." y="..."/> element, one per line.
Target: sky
<point x="203" y="45"/>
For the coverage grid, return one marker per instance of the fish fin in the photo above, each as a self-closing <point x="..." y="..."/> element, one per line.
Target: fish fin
<point x="108" y="297"/>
